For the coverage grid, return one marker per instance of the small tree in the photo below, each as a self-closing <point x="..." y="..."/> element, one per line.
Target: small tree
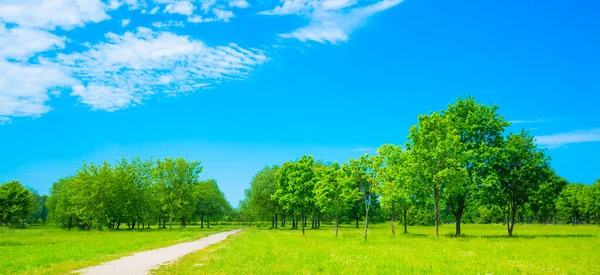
<point x="522" y="168"/>
<point x="363" y="175"/>
<point x="395" y="189"/>
<point x="16" y="203"/>
<point x="334" y="192"/>
<point x="295" y="183"/>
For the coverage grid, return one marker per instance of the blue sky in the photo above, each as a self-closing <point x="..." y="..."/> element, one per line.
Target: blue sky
<point x="242" y="84"/>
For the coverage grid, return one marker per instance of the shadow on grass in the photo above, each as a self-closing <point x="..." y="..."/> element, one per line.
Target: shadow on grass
<point x="549" y="236"/>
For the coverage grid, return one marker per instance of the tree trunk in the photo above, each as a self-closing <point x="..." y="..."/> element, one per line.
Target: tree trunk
<point x="393" y="225"/>
<point x="437" y="212"/>
<point x="202" y="222"/>
<point x="272" y="221"/>
<point x="312" y="226"/>
<point x="405" y="230"/>
<point x="303" y="224"/>
<point x="70" y="222"/>
<point x="276" y="220"/>
<point x="458" y="215"/>
<point x="366" y="222"/>
<point x="511" y="222"/>
<point x="336" y="223"/>
<point x="458" y="226"/>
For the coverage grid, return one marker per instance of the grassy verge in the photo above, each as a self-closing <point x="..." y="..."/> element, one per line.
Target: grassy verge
<point x="50" y="250"/>
<point x="484" y="249"/>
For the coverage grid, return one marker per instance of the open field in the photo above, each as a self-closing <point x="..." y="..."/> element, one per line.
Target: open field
<point x="50" y="250"/>
<point x="485" y="249"/>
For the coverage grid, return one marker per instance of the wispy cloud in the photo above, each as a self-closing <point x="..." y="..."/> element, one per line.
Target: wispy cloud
<point x="128" y="68"/>
<point x="330" y="20"/>
<point x="557" y="140"/>
<point x="518" y="121"/>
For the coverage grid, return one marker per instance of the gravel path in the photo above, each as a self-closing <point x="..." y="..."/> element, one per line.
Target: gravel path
<point x="141" y="263"/>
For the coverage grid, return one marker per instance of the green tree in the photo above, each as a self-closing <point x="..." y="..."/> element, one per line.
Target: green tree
<point x="210" y="201"/>
<point x="396" y="195"/>
<point x="39" y="212"/>
<point x="260" y="195"/>
<point x="295" y="183"/>
<point x="437" y="155"/>
<point x="480" y="129"/>
<point x="334" y="192"/>
<point x="16" y="203"/>
<point x="60" y="203"/>
<point x="363" y="175"/>
<point x="543" y="202"/>
<point x="571" y="204"/>
<point x="522" y="169"/>
<point x="176" y="178"/>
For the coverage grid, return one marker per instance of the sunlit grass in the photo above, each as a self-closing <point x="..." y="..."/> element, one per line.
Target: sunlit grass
<point x="50" y="250"/>
<point x="536" y="249"/>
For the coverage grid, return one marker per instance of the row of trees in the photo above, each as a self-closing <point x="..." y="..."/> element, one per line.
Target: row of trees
<point x="136" y="192"/>
<point x="458" y="161"/>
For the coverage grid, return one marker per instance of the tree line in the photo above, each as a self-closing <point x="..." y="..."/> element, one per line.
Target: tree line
<point x="458" y="164"/>
<point x="132" y="192"/>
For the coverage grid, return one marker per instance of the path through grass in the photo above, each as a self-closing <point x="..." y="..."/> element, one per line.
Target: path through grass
<point x="50" y="250"/>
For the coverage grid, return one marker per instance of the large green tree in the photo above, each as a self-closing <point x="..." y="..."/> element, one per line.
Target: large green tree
<point x="480" y="130"/>
<point x="437" y="153"/>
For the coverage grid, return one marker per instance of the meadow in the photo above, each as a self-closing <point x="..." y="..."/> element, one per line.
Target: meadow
<point x="484" y="249"/>
<point x="51" y="250"/>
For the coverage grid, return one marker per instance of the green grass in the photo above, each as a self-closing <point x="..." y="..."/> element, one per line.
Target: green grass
<point x="485" y="249"/>
<point x="51" y="250"/>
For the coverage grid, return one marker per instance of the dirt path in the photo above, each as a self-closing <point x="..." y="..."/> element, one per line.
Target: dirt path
<point x="141" y="263"/>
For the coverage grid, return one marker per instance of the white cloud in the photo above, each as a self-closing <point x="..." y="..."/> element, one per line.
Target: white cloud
<point x="22" y="43"/>
<point x="125" y="22"/>
<point x="154" y="10"/>
<point x="128" y="68"/>
<point x="239" y="4"/>
<point x="197" y="19"/>
<point x="170" y="23"/>
<point x="207" y="4"/>
<point x="223" y="15"/>
<point x="556" y="140"/>
<point x="331" y="20"/>
<point x="181" y="7"/>
<point x="24" y="88"/>
<point x="49" y="14"/>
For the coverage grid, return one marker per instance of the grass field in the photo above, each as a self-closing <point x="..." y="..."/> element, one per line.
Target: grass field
<point x="50" y="250"/>
<point x="485" y="249"/>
